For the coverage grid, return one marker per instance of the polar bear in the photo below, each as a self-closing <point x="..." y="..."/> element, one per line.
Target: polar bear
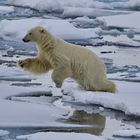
<point x="66" y="60"/>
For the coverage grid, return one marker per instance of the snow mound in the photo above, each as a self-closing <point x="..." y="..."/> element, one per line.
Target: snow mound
<point x="16" y="29"/>
<point x="127" y="133"/>
<point x="59" y="136"/>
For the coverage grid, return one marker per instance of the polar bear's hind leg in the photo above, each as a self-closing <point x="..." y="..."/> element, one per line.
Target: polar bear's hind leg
<point x="106" y="86"/>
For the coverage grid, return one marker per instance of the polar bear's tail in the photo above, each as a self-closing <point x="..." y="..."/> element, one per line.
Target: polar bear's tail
<point x="110" y="86"/>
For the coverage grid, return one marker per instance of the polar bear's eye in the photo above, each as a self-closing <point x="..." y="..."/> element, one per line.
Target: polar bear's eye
<point x="42" y="30"/>
<point x="30" y="33"/>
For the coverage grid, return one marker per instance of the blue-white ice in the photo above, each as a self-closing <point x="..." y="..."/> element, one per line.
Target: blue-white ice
<point x="30" y="101"/>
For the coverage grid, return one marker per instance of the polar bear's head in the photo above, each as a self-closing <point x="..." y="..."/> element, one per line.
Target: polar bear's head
<point x="37" y="34"/>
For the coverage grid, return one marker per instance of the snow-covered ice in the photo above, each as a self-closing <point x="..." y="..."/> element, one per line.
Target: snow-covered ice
<point x="126" y="99"/>
<point x="3" y="132"/>
<point x="16" y="29"/>
<point x="48" y="5"/>
<point x="6" y="9"/>
<point x="30" y="101"/>
<point x="52" y="5"/>
<point x="86" y="22"/>
<point x="70" y="8"/>
<point x="129" y="4"/>
<point x="130" y="25"/>
<point x="63" y="3"/>
<point x="16" y="113"/>
<point x="89" y="12"/>
<point x="119" y="55"/>
<point x="27" y="113"/>
<point x="20" y="114"/>
<point x="124" y="21"/>
<point x="127" y="133"/>
<point x="59" y="136"/>
<point x="123" y="40"/>
<point x="31" y="109"/>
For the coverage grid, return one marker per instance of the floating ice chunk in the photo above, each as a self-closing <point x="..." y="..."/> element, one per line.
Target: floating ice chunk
<point x="127" y="133"/>
<point x="124" y="21"/>
<point x="130" y="4"/>
<point x="3" y="132"/>
<point x="6" y="9"/>
<point x="86" y="22"/>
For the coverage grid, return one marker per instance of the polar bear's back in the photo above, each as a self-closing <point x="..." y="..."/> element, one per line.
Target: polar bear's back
<point x="82" y="60"/>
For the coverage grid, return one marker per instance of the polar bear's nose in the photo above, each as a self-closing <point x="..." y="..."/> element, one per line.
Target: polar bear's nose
<point x="25" y="40"/>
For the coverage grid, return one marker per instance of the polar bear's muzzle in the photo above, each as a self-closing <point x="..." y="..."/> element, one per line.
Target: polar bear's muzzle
<point x="25" y="39"/>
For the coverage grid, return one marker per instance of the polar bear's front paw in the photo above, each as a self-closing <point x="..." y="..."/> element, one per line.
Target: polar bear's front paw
<point x="23" y="63"/>
<point x="20" y="63"/>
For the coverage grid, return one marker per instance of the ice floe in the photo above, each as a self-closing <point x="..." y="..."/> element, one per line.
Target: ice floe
<point x="59" y="5"/>
<point x="127" y="133"/>
<point x="124" y="21"/>
<point x="59" y="136"/>
<point x="16" y="29"/>
<point x="6" y="9"/>
<point x="126" y="99"/>
<point x="3" y="133"/>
